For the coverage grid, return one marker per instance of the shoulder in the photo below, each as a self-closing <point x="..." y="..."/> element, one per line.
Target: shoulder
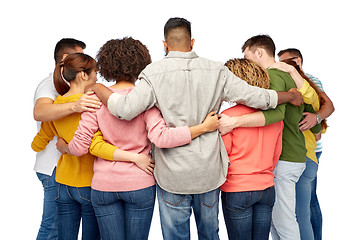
<point x="46" y="88"/>
<point x="274" y="72"/>
<point x="238" y="110"/>
<point x="315" y="80"/>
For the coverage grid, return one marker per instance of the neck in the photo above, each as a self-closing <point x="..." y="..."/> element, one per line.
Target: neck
<point x="268" y="62"/>
<point x="122" y="85"/>
<point x="180" y="49"/>
<point x="75" y="88"/>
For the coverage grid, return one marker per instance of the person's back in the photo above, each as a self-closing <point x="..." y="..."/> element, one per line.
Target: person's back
<point x="186" y="88"/>
<point x="293" y="140"/>
<point x="253" y="154"/>
<point x="68" y="165"/>
<point x="128" y="136"/>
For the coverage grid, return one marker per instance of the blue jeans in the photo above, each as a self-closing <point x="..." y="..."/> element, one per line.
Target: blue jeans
<point x="248" y="214"/>
<point x="48" y="227"/>
<point x="74" y="204"/>
<point x="303" y="199"/>
<point x="175" y="212"/>
<point x="315" y="210"/>
<point x="124" y="215"/>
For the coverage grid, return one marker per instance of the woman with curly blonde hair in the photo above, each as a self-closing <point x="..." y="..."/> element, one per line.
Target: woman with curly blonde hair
<point x="248" y="194"/>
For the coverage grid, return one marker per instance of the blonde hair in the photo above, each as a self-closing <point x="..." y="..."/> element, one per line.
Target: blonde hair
<point x="249" y="71"/>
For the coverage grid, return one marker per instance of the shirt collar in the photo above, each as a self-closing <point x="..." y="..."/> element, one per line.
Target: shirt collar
<point x="176" y="54"/>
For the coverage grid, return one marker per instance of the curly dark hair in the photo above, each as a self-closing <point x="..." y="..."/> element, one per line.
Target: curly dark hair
<point x="122" y="59"/>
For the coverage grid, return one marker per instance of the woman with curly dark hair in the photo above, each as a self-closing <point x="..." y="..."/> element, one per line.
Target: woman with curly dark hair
<point x="123" y="187"/>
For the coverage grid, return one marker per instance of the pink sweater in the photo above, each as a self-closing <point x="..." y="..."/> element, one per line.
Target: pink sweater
<point x="253" y="154"/>
<point x="134" y="136"/>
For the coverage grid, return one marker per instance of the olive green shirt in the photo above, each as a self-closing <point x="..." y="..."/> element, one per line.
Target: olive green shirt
<point x="293" y="147"/>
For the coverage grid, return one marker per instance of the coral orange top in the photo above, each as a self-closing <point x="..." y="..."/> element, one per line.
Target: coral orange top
<point x="253" y="154"/>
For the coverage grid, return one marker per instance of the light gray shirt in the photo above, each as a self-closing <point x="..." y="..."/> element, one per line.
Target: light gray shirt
<point x="186" y="88"/>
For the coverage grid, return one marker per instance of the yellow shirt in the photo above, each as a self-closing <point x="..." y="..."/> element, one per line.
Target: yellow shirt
<point x="71" y="170"/>
<point x="310" y="97"/>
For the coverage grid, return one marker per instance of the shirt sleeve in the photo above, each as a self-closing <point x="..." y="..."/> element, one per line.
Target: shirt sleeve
<point x="277" y="83"/>
<point x="278" y="147"/>
<point x="309" y="95"/>
<point x="46" y="89"/>
<point x="137" y="101"/>
<point x="81" y="141"/>
<point x="163" y="136"/>
<point x="237" y="90"/>
<point x="100" y="148"/>
<point x="42" y="138"/>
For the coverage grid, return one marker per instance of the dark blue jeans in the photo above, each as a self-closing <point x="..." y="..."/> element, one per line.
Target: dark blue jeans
<point x="248" y="214"/>
<point x="48" y="227"/>
<point x="74" y="204"/>
<point x="124" y="215"/>
<point x="315" y="210"/>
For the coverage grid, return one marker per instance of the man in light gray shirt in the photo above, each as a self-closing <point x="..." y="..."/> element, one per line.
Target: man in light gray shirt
<point x="185" y="88"/>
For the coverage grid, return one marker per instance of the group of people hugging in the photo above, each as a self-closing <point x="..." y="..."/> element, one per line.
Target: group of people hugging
<point x="184" y="129"/>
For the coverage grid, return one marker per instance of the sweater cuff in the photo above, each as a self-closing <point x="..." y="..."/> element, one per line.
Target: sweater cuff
<point x="111" y="103"/>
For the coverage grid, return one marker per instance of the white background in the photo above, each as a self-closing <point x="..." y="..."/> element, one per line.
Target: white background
<point x="325" y="31"/>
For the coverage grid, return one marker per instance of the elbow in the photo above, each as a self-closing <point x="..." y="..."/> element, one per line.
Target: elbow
<point x="160" y="144"/>
<point x="37" y="116"/>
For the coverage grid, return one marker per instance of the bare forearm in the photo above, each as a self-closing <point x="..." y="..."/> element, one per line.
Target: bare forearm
<point x="210" y="124"/>
<point x="123" y="156"/>
<point x="298" y="79"/>
<point x="292" y="96"/>
<point x="46" y="111"/>
<point x="197" y="130"/>
<point x="227" y="124"/>
<point x="256" y="119"/>
<point x="327" y="108"/>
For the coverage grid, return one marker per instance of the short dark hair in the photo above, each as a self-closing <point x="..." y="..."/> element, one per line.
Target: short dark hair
<point x="64" y="45"/>
<point x="293" y="51"/>
<point x="263" y="41"/>
<point x="177" y="22"/>
<point x="122" y="59"/>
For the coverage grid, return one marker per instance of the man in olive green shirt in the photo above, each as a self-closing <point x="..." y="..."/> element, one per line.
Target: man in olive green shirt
<point x="261" y="49"/>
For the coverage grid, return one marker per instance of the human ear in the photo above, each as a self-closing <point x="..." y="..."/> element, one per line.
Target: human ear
<point x="192" y="43"/>
<point x="259" y="53"/>
<point x="165" y="46"/>
<point x="64" y="56"/>
<point x="84" y="76"/>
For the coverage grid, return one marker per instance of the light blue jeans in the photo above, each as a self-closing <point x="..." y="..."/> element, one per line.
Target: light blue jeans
<point x="175" y="212"/>
<point x="124" y="215"/>
<point x="303" y="199"/>
<point x="284" y="224"/>
<point x="48" y="227"/>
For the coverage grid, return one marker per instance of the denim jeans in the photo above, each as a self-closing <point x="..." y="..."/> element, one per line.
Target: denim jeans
<point x="248" y="214"/>
<point x="124" y="215"/>
<point x="48" y="226"/>
<point x="284" y="223"/>
<point x="315" y="210"/>
<point x="74" y="204"/>
<point x="303" y="198"/>
<point x="175" y="212"/>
